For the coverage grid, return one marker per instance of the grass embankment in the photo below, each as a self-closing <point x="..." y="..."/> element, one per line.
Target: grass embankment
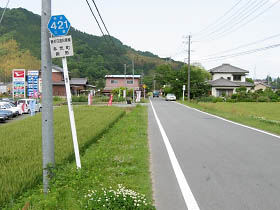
<point x="264" y="116"/>
<point x="21" y="146"/>
<point x="121" y="156"/>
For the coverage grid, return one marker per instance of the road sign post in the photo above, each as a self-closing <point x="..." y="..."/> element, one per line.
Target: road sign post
<point x="61" y="47"/>
<point x="184" y="88"/>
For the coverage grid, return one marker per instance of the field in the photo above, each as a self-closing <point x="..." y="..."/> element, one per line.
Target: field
<point x="265" y="116"/>
<point x="118" y="160"/>
<point x="21" y="147"/>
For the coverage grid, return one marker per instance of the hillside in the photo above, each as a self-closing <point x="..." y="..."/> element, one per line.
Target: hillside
<point x="94" y="57"/>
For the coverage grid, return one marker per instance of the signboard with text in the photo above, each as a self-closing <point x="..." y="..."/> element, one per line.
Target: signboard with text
<point x="59" y="25"/>
<point x="32" y="83"/>
<point x="61" y="46"/>
<point x="18" y="83"/>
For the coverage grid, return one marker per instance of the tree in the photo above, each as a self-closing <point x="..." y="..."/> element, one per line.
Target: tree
<point x="175" y="79"/>
<point x="250" y="80"/>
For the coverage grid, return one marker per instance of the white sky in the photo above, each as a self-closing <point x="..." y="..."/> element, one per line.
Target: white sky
<point x="158" y="26"/>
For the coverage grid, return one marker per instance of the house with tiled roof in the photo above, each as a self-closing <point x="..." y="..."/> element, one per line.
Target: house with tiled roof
<point x="117" y="81"/>
<point x="77" y="85"/>
<point x="226" y="78"/>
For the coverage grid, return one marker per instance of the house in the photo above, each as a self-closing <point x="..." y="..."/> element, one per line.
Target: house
<point x="77" y="85"/>
<point x="260" y="85"/>
<point x="116" y="81"/>
<point x="226" y="78"/>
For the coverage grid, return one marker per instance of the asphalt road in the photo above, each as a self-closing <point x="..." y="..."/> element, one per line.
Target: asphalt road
<point x="226" y="166"/>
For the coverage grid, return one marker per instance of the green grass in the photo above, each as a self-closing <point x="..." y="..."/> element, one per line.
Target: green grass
<point x="21" y="147"/>
<point x="265" y="116"/>
<point x="121" y="156"/>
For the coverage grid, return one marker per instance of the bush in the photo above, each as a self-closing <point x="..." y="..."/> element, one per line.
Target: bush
<point x="57" y="98"/>
<point x="206" y="99"/>
<point x="81" y="98"/>
<point x="263" y="99"/>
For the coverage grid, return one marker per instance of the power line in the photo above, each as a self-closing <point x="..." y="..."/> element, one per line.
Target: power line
<point x="234" y="28"/>
<point x="217" y="21"/>
<point x="110" y="37"/>
<point x="238" y="17"/>
<point x="239" y="53"/>
<point x="250" y="20"/>
<point x="242" y="46"/>
<point x="4" y="12"/>
<point x="97" y="22"/>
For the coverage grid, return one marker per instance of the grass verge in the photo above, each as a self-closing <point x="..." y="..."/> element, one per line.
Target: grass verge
<point x="117" y="162"/>
<point x="264" y="116"/>
<point x="21" y="145"/>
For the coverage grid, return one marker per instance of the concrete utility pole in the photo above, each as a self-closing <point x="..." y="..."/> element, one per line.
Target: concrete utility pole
<point x="47" y="97"/>
<point x="125" y="79"/>
<point x="133" y="78"/>
<point x="189" y="68"/>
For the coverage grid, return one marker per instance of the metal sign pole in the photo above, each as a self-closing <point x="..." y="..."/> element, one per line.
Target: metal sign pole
<point x="71" y="112"/>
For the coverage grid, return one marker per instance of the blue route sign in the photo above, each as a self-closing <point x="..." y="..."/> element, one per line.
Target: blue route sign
<point x="59" y="25"/>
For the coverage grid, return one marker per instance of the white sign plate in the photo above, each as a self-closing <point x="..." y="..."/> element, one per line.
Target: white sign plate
<point x="61" y="46"/>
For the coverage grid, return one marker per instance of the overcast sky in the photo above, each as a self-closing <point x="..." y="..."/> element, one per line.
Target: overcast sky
<point x="159" y="26"/>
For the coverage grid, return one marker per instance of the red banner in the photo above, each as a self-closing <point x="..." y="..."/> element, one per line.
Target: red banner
<point x="110" y="101"/>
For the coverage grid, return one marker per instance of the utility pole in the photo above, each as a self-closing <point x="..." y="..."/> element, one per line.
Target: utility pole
<point x="189" y="67"/>
<point x="47" y="97"/>
<point x="125" y="79"/>
<point x="154" y="82"/>
<point x="133" y="78"/>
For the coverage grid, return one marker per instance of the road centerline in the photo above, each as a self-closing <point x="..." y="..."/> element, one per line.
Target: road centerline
<point x="183" y="184"/>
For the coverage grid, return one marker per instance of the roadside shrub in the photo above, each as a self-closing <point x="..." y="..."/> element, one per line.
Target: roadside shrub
<point x="57" y="98"/>
<point x="81" y="98"/>
<point x="234" y="96"/>
<point x="230" y="100"/>
<point x="263" y="99"/>
<point x="206" y="99"/>
<point x="217" y="99"/>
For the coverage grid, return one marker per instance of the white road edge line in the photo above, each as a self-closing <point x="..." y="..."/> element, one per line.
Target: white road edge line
<point x="245" y="126"/>
<point x="185" y="188"/>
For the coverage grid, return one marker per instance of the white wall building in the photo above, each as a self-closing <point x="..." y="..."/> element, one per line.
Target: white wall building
<point x="226" y="78"/>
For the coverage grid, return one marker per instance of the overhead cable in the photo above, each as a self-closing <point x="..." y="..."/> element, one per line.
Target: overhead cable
<point x="110" y="37"/>
<point x="238" y="26"/>
<point x="236" y="19"/>
<point x="242" y="46"/>
<point x="4" y="12"/>
<point x="97" y="22"/>
<point x="238" y="54"/>
<point x="218" y="20"/>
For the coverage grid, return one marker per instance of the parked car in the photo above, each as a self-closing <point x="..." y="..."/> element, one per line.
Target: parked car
<point x="3" y="117"/>
<point x="8" y="113"/>
<point x="155" y="93"/>
<point x="7" y="106"/>
<point x="24" y="104"/>
<point x="170" y="97"/>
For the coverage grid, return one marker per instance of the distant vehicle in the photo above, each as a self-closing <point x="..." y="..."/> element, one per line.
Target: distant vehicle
<point x="155" y="93"/>
<point x="10" y="100"/>
<point x="8" y="106"/>
<point x="8" y="113"/>
<point x="170" y="97"/>
<point x="24" y="104"/>
<point x="3" y="117"/>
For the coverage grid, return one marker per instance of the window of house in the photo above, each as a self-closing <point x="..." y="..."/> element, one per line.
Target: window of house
<point x="236" y="77"/>
<point x="114" y="81"/>
<point x="229" y="78"/>
<point x="129" y="82"/>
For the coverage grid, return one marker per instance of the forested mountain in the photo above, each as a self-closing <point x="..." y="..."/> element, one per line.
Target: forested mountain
<point x="94" y="56"/>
